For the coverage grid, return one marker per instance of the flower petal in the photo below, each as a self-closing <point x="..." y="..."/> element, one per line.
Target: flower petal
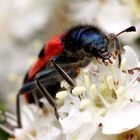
<point x="133" y="93"/>
<point x="121" y="118"/>
<point x="76" y="124"/>
<point x="131" y="57"/>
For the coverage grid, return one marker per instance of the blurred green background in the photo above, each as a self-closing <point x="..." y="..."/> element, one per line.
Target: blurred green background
<point x="25" y="25"/>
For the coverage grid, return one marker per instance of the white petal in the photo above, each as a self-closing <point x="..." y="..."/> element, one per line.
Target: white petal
<point x="86" y="134"/>
<point x="20" y="134"/>
<point x="121" y="118"/>
<point x="52" y="133"/>
<point x="133" y="93"/>
<point x="131" y="57"/>
<point x="28" y="116"/>
<point x="78" y="90"/>
<point x="75" y="120"/>
<point x="76" y="124"/>
<point x="69" y="103"/>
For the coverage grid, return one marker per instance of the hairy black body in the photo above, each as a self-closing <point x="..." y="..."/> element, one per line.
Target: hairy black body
<point x="81" y="44"/>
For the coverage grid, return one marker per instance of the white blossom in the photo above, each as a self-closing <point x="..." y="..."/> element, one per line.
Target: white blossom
<point x="109" y="98"/>
<point x="38" y="124"/>
<point x="105" y="105"/>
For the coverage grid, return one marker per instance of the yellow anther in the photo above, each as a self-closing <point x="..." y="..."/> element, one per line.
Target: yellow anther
<point x="123" y="66"/>
<point x="64" y="84"/>
<point x="78" y="90"/>
<point x="93" y="90"/>
<point x="61" y="95"/>
<point x="87" y="81"/>
<point x="84" y="103"/>
<point x="110" y="82"/>
<point x="120" y="90"/>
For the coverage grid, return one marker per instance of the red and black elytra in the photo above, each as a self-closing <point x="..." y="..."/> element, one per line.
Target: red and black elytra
<point x="61" y="56"/>
<point x="49" y="50"/>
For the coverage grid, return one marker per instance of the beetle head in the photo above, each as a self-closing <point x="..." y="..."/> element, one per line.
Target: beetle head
<point x="97" y="45"/>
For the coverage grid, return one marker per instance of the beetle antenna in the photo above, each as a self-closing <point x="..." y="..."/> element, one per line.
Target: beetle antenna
<point x="130" y="29"/>
<point x="117" y="45"/>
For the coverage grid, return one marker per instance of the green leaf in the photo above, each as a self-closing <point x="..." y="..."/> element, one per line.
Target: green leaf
<point x="3" y="135"/>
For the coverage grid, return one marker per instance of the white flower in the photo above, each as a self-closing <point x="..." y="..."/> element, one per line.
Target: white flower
<point x="38" y="124"/>
<point x="126" y="109"/>
<point x="76" y="123"/>
<point x="105" y="105"/>
<point x="106" y="97"/>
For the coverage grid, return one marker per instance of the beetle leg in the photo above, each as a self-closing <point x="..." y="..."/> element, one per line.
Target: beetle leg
<point x="63" y="74"/>
<point x="109" y="60"/>
<point x="18" y="109"/>
<point x="7" y="126"/>
<point x="105" y="62"/>
<point x="47" y="95"/>
<point x="44" y="92"/>
<point x="10" y="121"/>
<point x="114" y="38"/>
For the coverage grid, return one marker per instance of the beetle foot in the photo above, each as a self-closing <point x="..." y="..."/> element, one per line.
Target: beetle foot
<point x="105" y="62"/>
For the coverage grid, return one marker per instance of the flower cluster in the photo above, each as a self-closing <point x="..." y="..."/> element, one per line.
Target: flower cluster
<point x="105" y="104"/>
<point x="38" y="124"/>
<point x="106" y="98"/>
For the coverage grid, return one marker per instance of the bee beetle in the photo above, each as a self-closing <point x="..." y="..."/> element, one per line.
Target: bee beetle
<point x="61" y="56"/>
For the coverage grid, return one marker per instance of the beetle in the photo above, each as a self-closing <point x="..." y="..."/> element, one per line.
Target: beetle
<point x="59" y="59"/>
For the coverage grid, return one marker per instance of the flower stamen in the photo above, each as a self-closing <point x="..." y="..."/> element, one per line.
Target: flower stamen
<point x="138" y="79"/>
<point x="106" y="104"/>
<point x="123" y="66"/>
<point x="110" y="82"/>
<point x="131" y="71"/>
<point x="136" y="68"/>
<point x="116" y="83"/>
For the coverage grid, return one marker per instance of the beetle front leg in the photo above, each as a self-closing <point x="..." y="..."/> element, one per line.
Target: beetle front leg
<point x="113" y="38"/>
<point x="47" y="95"/>
<point x="18" y="110"/>
<point x="63" y="74"/>
<point x="10" y="122"/>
